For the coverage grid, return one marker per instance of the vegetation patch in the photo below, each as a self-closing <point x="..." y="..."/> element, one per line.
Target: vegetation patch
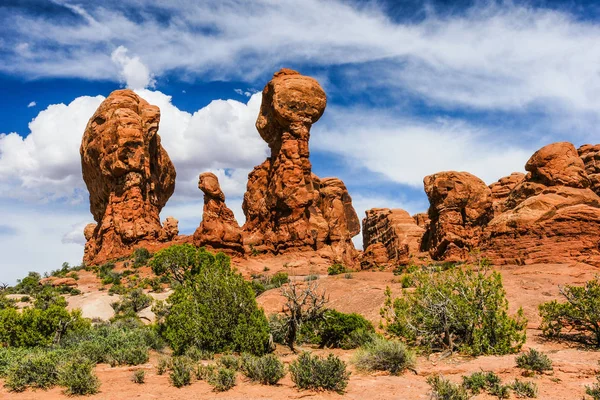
<point x="384" y="355"/>
<point x="317" y="373"/>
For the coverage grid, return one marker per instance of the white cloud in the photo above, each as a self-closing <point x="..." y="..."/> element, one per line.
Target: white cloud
<point x="31" y="104"/>
<point x="405" y="150"/>
<point x="134" y="73"/>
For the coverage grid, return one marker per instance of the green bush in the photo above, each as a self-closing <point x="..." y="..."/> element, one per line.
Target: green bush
<point x="314" y="372"/>
<point x="457" y="309"/>
<point x="205" y="372"/>
<point x="336" y="269"/>
<point x="262" y="283"/>
<point x="229" y="361"/>
<point x="500" y="391"/>
<point x="534" y="361"/>
<point x="139" y="376"/>
<point x="222" y="379"/>
<point x="134" y="301"/>
<point x="141" y="257"/>
<point x="214" y="309"/>
<point x="384" y="355"/>
<point x="181" y="371"/>
<point x="196" y="354"/>
<point x="524" y="389"/>
<point x="9" y="356"/>
<point x="481" y="382"/>
<point x="38" y="327"/>
<point x="78" y="377"/>
<point x="578" y="314"/>
<point x="38" y="369"/>
<point x="163" y="365"/>
<point x="267" y="369"/>
<point x="176" y="262"/>
<point x="443" y="389"/>
<point x="335" y="329"/>
<point x="311" y="277"/>
<point x="594" y="390"/>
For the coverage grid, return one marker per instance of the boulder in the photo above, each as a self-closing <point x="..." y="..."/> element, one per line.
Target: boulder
<point x="460" y="207"/>
<point x="128" y="174"/>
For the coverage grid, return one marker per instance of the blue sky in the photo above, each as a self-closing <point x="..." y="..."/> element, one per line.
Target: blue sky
<point x="413" y="88"/>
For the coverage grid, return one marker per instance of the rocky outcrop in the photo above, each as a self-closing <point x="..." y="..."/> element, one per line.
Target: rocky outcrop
<point x="128" y="174"/>
<point x="460" y="207"/>
<point x="502" y="188"/>
<point x="286" y="205"/>
<point x="590" y="154"/>
<point x="219" y="228"/>
<point x="390" y="237"/>
<point x="551" y="216"/>
<point x="57" y="282"/>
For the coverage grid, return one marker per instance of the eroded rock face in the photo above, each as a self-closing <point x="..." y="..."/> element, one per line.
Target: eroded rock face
<point x="460" y="207"/>
<point x="551" y="216"/>
<point x="502" y="189"/>
<point x="219" y="228"/>
<point x="390" y="237"/>
<point x="286" y="206"/>
<point x="590" y="154"/>
<point x="128" y="174"/>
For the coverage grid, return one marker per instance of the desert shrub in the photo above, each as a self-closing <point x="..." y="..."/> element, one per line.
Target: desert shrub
<point x="78" y="377"/>
<point x="335" y="328"/>
<point x="524" y="389"/>
<point x="28" y="285"/>
<point x="336" y="269"/>
<point x="138" y="376"/>
<point x="38" y="369"/>
<point x="222" y="379"/>
<point x="214" y="309"/>
<point x="481" y="382"/>
<point x="311" y="277"/>
<point x="10" y="355"/>
<point x="115" y="343"/>
<point x="594" y="389"/>
<point x="38" y="327"/>
<point x="500" y="391"/>
<point x="267" y="369"/>
<point x="443" y="389"/>
<point x="163" y="365"/>
<point x="348" y="275"/>
<point x="407" y="281"/>
<point x="279" y="279"/>
<point x="314" y="372"/>
<point x="262" y="283"/>
<point x="118" y="289"/>
<point x="176" y="262"/>
<point x="457" y="309"/>
<point x="205" y="372"/>
<point x="25" y="299"/>
<point x="141" y="257"/>
<point x="181" y="371"/>
<point x="578" y="314"/>
<point x="134" y="301"/>
<point x="229" y="361"/>
<point x="384" y="355"/>
<point x="196" y="354"/>
<point x="534" y="361"/>
<point x="278" y="328"/>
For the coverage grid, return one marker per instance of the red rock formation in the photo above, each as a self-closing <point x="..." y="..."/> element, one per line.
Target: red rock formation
<point x="552" y="216"/>
<point x="502" y="188"/>
<point x="128" y="174"/>
<point x="56" y="281"/>
<point x="590" y="154"/>
<point x="390" y="237"/>
<point x="422" y="219"/>
<point x="218" y="229"/>
<point x="460" y="207"/>
<point x="286" y="206"/>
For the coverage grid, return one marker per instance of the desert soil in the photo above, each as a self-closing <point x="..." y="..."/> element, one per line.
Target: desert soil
<point x="526" y="287"/>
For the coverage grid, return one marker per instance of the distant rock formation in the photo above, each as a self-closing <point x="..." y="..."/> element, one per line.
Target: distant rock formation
<point x="218" y="229"/>
<point x="286" y="206"/>
<point x="390" y="237"/>
<point x="460" y="207"/>
<point x="551" y="216"/>
<point x="129" y="177"/>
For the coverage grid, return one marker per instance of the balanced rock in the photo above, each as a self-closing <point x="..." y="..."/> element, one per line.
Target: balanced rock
<point x="128" y="174"/>
<point x="286" y="205"/>
<point x="390" y="237"/>
<point x="460" y="207"/>
<point x="590" y="154"/>
<point x="219" y="228"/>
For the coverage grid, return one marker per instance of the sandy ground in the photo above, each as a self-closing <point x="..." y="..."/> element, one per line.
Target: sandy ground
<point x="526" y="286"/>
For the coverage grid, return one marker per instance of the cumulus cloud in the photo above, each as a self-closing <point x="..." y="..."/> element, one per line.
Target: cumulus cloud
<point x="134" y="73"/>
<point x="31" y="104"/>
